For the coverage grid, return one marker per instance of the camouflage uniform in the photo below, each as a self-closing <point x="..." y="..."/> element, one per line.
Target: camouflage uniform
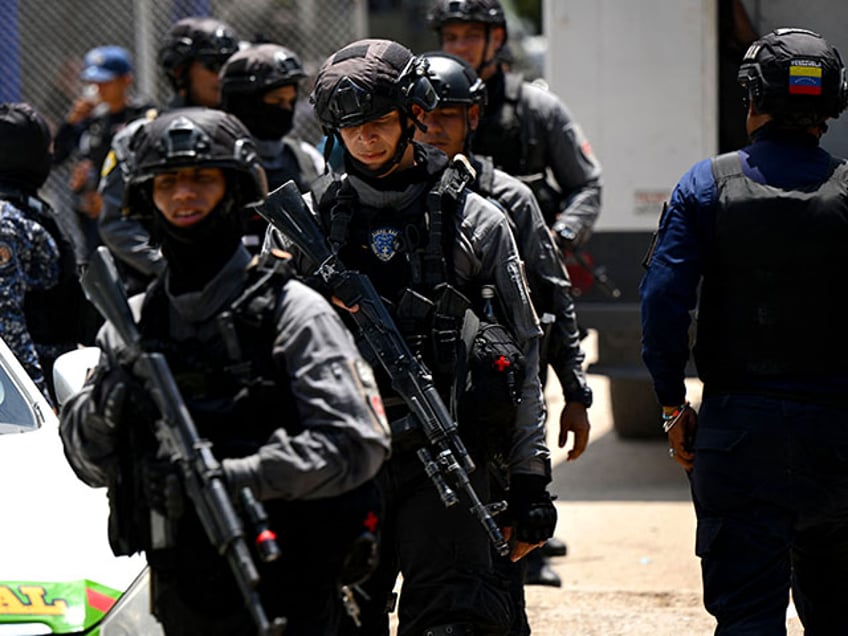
<point x="29" y="259"/>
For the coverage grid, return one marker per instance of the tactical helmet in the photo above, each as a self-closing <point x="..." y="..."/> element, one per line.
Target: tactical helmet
<point x="368" y="79"/>
<point x="795" y="76"/>
<point x="195" y="137"/>
<point x="454" y="80"/>
<point x="25" y="138"/>
<point x="260" y="68"/>
<point x="205" y="40"/>
<point x="489" y="12"/>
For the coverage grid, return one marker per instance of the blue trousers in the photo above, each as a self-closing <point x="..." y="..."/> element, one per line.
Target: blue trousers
<point x="770" y="488"/>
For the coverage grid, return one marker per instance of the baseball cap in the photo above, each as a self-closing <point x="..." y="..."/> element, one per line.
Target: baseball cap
<point x="105" y="63"/>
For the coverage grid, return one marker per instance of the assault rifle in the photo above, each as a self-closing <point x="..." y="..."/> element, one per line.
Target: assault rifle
<point x="201" y="473"/>
<point x="286" y="211"/>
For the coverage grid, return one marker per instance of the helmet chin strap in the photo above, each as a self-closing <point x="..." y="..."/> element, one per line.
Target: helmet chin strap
<point x="492" y="60"/>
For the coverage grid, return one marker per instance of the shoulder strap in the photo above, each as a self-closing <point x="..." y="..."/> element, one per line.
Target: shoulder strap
<point x="512" y="86"/>
<point x="344" y="200"/>
<point x="444" y="198"/>
<point x="726" y="166"/>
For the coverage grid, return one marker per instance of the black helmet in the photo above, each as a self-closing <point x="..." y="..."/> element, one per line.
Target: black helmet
<point x="258" y="69"/>
<point x="367" y="79"/>
<point x="454" y="80"/>
<point x="489" y="12"/>
<point x="189" y="137"/>
<point x="205" y="40"/>
<point x="25" y="139"/>
<point x="795" y="76"/>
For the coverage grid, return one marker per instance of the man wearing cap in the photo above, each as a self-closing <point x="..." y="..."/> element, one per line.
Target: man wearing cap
<point x="105" y="106"/>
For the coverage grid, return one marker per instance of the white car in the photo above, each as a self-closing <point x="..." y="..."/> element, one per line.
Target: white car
<point x="57" y="572"/>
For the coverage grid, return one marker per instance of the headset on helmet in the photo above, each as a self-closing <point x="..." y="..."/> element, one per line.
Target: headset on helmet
<point x="454" y="80"/>
<point x="194" y="137"/>
<point x="260" y="68"/>
<point x="206" y="40"/>
<point x="25" y="138"/>
<point x="367" y="79"/>
<point x="795" y="75"/>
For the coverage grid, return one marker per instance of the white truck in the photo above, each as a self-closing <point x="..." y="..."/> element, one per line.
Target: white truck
<point x="645" y="82"/>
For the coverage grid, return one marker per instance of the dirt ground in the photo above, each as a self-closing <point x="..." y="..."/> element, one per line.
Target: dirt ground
<point x="626" y="516"/>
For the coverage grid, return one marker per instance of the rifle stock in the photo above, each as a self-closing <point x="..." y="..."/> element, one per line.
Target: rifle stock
<point x="286" y="210"/>
<point x="203" y="477"/>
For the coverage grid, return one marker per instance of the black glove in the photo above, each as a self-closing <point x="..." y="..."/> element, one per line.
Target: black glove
<point x="116" y="395"/>
<point x="163" y="487"/>
<point x="531" y="508"/>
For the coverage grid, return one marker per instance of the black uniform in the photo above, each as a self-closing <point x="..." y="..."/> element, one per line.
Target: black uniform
<point x="270" y="377"/>
<point x="762" y="232"/>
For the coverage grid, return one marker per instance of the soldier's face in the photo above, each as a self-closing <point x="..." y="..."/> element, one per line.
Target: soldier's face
<point x="447" y="127"/>
<point x="205" y="86"/>
<point x="373" y="143"/>
<point x="187" y="195"/>
<point x="468" y="41"/>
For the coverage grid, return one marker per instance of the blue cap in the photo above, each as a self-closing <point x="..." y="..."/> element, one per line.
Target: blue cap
<point x="105" y="63"/>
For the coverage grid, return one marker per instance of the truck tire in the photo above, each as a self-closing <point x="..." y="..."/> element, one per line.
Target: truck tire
<point x="635" y="412"/>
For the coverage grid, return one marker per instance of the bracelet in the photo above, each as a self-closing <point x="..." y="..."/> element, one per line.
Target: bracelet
<point x="670" y="419"/>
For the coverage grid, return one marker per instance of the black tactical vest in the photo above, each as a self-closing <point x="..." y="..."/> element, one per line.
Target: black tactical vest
<point x="236" y="392"/>
<point x="509" y="134"/>
<point x="501" y="133"/>
<point x="771" y="301"/>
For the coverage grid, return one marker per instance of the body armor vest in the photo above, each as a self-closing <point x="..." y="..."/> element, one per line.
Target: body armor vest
<point x="508" y="127"/>
<point x="501" y="131"/>
<point x="768" y="305"/>
<point x="232" y="386"/>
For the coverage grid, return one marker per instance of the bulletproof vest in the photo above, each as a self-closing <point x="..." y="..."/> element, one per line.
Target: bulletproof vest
<point x="510" y="126"/>
<point x="407" y="255"/>
<point x="235" y="390"/>
<point x="500" y="132"/>
<point x="769" y="305"/>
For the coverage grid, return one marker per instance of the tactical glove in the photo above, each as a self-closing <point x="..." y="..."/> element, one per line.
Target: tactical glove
<point x="531" y="508"/>
<point x="118" y="396"/>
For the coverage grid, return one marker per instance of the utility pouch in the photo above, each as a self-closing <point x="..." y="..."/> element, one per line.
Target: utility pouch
<point x="496" y="370"/>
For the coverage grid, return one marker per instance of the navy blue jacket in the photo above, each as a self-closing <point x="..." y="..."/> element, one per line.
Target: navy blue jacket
<point x="670" y="284"/>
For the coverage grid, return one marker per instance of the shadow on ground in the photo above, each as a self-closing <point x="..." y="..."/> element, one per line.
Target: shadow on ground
<point x="614" y="469"/>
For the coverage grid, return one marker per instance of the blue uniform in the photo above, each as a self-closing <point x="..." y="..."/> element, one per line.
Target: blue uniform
<point x="29" y="259"/>
<point x="770" y="475"/>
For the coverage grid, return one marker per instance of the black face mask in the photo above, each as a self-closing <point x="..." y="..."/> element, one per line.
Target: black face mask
<point x="196" y="254"/>
<point x="264" y="121"/>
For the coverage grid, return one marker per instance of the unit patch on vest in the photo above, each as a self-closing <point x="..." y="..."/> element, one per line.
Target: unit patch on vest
<point x="384" y="243"/>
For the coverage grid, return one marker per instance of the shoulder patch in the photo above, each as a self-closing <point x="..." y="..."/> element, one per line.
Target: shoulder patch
<point x="109" y="164"/>
<point x="365" y="374"/>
